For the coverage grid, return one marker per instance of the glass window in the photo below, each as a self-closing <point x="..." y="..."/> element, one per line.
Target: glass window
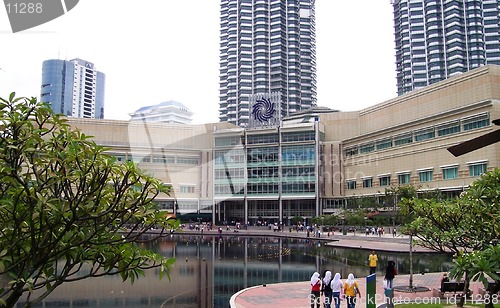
<point x="477" y="121"/>
<point x="227" y="141"/>
<point x="448" y="129"/>
<point x="383" y="144"/>
<point x="187" y="189"/>
<point x="367" y="183"/>
<point x="351" y="151"/>
<point x="298" y="136"/>
<point x="403" y="178"/>
<point x="298" y="155"/>
<point x="366" y="148"/>
<point x="425" y="176"/>
<point x="385" y="180"/>
<point x="188" y="160"/>
<point x="351" y="184"/>
<point x="477" y="169"/>
<point x="450" y="173"/>
<point x="259" y="139"/>
<point x="403" y="139"/>
<point x="424" y="134"/>
<point x="262" y="155"/>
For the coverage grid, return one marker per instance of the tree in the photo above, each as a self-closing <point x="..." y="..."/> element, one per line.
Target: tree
<point x="465" y="225"/>
<point x="481" y="266"/>
<point x="67" y="207"/>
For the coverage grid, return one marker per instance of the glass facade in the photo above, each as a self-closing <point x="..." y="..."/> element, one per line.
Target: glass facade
<point x="73" y="88"/>
<point x="267" y="170"/>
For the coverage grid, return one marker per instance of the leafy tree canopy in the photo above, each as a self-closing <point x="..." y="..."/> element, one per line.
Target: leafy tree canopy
<point x="66" y="207"/>
<point x="471" y="222"/>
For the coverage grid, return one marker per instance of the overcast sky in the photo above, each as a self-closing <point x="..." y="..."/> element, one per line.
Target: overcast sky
<point x="158" y="50"/>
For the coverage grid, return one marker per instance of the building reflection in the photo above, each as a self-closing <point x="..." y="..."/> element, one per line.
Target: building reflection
<point x="210" y="269"/>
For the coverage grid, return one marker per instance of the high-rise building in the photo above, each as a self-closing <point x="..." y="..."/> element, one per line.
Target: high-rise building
<point x="266" y="47"/>
<point x="73" y="88"/>
<point x="166" y="112"/>
<point x="437" y="39"/>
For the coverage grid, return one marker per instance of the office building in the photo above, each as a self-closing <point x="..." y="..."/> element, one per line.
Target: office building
<point x="167" y="112"/>
<point x="437" y="39"/>
<point x="74" y="88"/>
<point x="267" y="47"/>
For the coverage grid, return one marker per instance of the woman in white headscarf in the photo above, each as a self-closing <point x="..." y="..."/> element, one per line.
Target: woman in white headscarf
<point x="315" y="297"/>
<point x="326" y="289"/>
<point x="337" y="289"/>
<point x="351" y="289"/>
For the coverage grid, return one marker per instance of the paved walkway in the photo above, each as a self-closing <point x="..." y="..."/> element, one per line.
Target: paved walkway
<point x="351" y="240"/>
<point x="295" y="294"/>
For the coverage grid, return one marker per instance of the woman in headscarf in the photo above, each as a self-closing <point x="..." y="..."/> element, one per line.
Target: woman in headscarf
<point x="337" y="289"/>
<point x="326" y="289"/>
<point x="351" y="289"/>
<point x="315" y="290"/>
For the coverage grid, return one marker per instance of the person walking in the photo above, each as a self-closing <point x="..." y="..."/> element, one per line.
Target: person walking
<point x="337" y="289"/>
<point x="372" y="262"/>
<point x="315" y="296"/>
<point x="351" y="290"/>
<point x="390" y="273"/>
<point x="326" y="289"/>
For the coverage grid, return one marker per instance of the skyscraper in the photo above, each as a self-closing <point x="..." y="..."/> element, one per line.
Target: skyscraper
<point x="73" y="88"/>
<point x="437" y="39"/>
<point x="266" y="47"/>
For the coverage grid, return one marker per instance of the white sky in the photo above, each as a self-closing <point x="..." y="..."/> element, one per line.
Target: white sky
<point x="158" y="50"/>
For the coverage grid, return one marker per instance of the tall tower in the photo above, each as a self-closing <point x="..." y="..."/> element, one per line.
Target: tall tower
<point x="266" y="47"/>
<point x="73" y="88"/>
<point x="437" y="39"/>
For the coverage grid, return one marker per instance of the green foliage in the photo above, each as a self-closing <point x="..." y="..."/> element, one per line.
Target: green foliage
<point x="469" y="226"/>
<point x="471" y="222"/>
<point x="66" y="207"/>
<point x="326" y="220"/>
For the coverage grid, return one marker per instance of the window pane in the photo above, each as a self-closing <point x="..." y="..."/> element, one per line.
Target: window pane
<point x="425" y="176"/>
<point x="450" y="173"/>
<point x="477" y="170"/>
<point x="404" y="178"/>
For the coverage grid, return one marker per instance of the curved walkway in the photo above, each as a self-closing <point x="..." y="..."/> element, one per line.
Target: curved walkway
<point x="295" y="294"/>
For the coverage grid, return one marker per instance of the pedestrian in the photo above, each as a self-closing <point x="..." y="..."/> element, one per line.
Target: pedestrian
<point x="390" y="273"/>
<point x="372" y="262"/>
<point x="351" y="290"/>
<point x="315" y="296"/>
<point x="326" y="289"/>
<point x="337" y="289"/>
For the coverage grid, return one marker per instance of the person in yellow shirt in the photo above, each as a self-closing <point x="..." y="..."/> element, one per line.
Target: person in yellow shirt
<point x="351" y="289"/>
<point x="372" y="262"/>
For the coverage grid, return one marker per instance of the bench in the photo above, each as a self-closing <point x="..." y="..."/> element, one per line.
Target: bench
<point x="450" y="286"/>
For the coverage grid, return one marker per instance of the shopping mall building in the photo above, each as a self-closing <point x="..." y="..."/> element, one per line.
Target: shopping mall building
<point x="314" y="161"/>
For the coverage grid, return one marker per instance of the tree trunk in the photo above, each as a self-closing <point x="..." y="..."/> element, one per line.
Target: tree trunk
<point x="466" y="292"/>
<point x="13" y="297"/>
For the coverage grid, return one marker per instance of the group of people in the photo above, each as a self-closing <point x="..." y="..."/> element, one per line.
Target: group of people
<point x="333" y="290"/>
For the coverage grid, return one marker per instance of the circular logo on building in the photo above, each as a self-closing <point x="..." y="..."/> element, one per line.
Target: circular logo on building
<point x="263" y="110"/>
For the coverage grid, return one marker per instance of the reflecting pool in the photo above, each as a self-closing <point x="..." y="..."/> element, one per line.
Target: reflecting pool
<point x="210" y="269"/>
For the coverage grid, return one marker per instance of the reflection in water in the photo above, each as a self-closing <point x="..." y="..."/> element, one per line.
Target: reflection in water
<point x="209" y="270"/>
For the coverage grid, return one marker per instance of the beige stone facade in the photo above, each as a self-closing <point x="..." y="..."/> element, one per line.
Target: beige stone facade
<point x="397" y="142"/>
<point x="370" y="143"/>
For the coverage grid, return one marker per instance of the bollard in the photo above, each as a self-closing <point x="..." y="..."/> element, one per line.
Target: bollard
<point x="389" y="297"/>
